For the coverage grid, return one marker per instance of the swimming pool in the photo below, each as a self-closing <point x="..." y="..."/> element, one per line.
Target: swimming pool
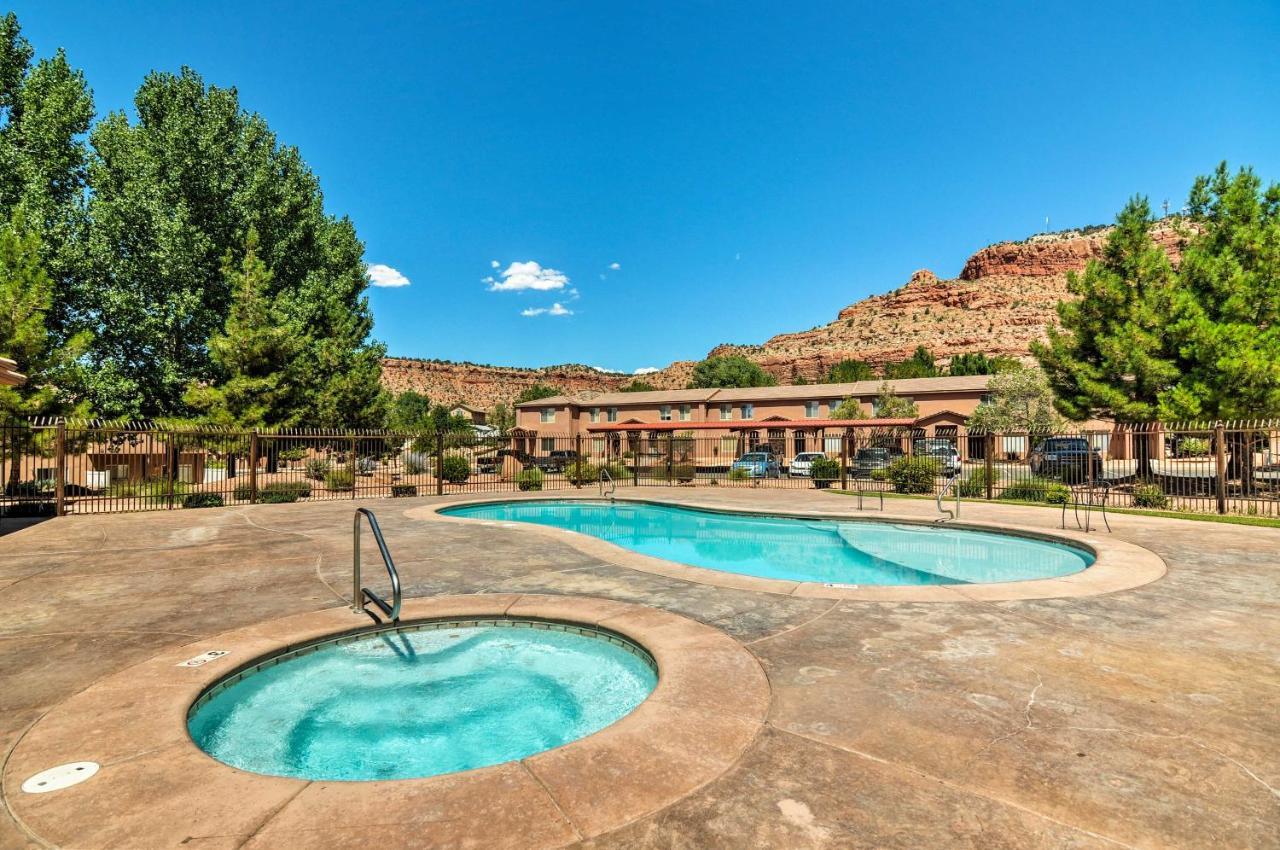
<point x="422" y="700"/>
<point x="827" y="551"/>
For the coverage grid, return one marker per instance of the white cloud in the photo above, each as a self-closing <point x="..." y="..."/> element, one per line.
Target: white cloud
<point x="615" y="266"/>
<point x="380" y="275"/>
<point x="646" y="370"/>
<point x="556" y="309"/>
<point x="607" y="371"/>
<point x="493" y="264"/>
<point x="531" y="275"/>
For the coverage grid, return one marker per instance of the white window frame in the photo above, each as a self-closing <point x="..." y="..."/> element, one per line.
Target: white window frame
<point x="594" y="413"/>
<point x="748" y="410"/>
<point x="612" y="414"/>
<point x="664" y="413"/>
<point x="726" y="412"/>
<point x="548" y="414"/>
<point x="811" y="409"/>
<point x="686" y="412"/>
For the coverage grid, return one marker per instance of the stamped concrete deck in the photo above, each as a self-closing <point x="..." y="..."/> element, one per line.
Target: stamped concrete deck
<point x="1140" y="718"/>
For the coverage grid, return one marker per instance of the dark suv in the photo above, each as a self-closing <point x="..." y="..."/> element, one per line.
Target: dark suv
<point x="1068" y="458"/>
<point x="556" y="461"/>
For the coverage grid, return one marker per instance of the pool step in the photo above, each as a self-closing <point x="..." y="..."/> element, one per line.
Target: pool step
<point x="848" y="533"/>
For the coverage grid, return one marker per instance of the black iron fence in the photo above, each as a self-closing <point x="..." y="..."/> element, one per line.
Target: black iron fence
<point x="58" y="468"/>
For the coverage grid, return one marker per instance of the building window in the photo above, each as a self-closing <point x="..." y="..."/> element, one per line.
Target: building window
<point x="548" y="414"/>
<point x="831" y="407"/>
<point x="686" y="413"/>
<point x="748" y="411"/>
<point x="548" y="444"/>
<point x="811" y="409"/>
<point x="595" y="414"/>
<point x="726" y="411"/>
<point x="665" y="413"/>
<point x="613" y="414"/>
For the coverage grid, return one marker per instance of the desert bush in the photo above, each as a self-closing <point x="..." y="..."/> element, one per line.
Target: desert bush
<point x="823" y="471"/>
<point x="276" y="492"/>
<point x="617" y="470"/>
<point x="913" y="474"/>
<point x="202" y="500"/>
<point x="455" y="468"/>
<point x="1194" y="447"/>
<point x="400" y="491"/>
<point x="341" y="480"/>
<point x="317" y="468"/>
<point x="582" y="471"/>
<point x="737" y="473"/>
<point x="974" y="486"/>
<point x="529" y="479"/>
<point x="1149" y="496"/>
<point x="416" y="463"/>
<point x="293" y="455"/>
<point x="1037" y="490"/>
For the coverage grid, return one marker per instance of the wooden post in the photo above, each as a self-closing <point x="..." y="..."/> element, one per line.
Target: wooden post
<point x="439" y="462"/>
<point x="60" y="462"/>
<point x="989" y="464"/>
<point x="253" y="467"/>
<point x="1220" y="456"/>
<point x="844" y="456"/>
<point x="577" y="462"/>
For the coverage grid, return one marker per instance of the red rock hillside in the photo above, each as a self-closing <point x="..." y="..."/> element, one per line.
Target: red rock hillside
<point x="1003" y="299"/>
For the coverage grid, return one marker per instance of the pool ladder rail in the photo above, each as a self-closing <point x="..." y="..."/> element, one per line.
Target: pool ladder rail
<point x="952" y="484"/>
<point x="613" y="485"/>
<point x="361" y="596"/>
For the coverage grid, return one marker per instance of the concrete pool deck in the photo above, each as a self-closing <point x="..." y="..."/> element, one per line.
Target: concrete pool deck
<point x="1143" y="717"/>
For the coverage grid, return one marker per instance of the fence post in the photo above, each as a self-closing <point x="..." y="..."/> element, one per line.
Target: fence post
<point x="355" y="467"/>
<point x="171" y="449"/>
<point x="671" y="455"/>
<point x="60" y="484"/>
<point x="1220" y="475"/>
<point x="635" y="466"/>
<point x="989" y="463"/>
<point x="578" y="464"/>
<point x="439" y="462"/>
<point x="253" y="467"/>
<point x="844" y="459"/>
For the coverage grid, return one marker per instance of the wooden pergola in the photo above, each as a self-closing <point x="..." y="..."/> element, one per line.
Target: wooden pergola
<point x="9" y="374"/>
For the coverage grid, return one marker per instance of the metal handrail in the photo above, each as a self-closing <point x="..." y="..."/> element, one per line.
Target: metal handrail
<point x="951" y="483"/>
<point x="359" y="595"/>
<point x="613" y="485"/>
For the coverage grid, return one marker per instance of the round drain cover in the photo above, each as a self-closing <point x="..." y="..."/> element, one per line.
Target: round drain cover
<point x="62" y="776"/>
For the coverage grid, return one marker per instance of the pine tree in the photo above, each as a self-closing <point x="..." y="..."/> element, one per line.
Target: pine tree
<point x="1113" y="355"/>
<point x="255" y="355"/>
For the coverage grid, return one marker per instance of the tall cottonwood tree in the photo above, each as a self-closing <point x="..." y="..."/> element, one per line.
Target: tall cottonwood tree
<point x="172" y="194"/>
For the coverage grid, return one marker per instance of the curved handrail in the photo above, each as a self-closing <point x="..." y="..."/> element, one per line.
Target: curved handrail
<point x="613" y="485"/>
<point x="951" y="482"/>
<point x="360" y="594"/>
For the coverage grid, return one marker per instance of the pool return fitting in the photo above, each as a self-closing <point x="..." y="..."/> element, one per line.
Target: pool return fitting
<point x="361" y="596"/>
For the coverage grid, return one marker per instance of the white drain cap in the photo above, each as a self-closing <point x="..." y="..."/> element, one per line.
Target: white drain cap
<point x="62" y="776"/>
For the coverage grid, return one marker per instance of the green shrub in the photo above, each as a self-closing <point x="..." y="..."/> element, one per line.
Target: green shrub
<point x="455" y="468"/>
<point x="582" y="471"/>
<point x="1149" y="496"/>
<point x="679" y="472"/>
<point x="1037" y="490"/>
<point x="202" y="500"/>
<point x="293" y="455"/>
<point x="737" y="473"/>
<point x="399" y="491"/>
<point x="416" y="463"/>
<point x="975" y="485"/>
<point x="823" y="471"/>
<point x="276" y="492"/>
<point x="879" y="475"/>
<point x="618" y="470"/>
<point x="317" y="468"/>
<point x="529" y="479"/>
<point x="1193" y="447"/>
<point x="913" y="474"/>
<point x="341" y="480"/>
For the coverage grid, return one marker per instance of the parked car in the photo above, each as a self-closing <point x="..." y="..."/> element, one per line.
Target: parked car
<point x="758" y="465"/>
<point x="801" y="465"/>
<point x="556" y="461"/>
<point x="1068" y="458"/>
<point x="946" y="454"/>
<point x="868" y="461"/>
<point x="493" y="463"/>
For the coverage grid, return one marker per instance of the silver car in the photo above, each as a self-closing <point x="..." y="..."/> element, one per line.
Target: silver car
<point x="801" y="465"/>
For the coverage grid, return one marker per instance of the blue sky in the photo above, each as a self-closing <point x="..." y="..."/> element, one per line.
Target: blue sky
<point x="645" y="181"/>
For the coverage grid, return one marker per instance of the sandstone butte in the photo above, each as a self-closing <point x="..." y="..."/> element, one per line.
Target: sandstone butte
<point x="1004" y="299"/>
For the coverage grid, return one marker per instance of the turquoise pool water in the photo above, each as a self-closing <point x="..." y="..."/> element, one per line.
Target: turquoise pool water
<point x="827" y="551"/>
<point x="404" y="704"/>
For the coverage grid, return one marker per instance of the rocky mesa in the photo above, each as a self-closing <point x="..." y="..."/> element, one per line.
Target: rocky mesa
<point x="1004" y="298"/>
